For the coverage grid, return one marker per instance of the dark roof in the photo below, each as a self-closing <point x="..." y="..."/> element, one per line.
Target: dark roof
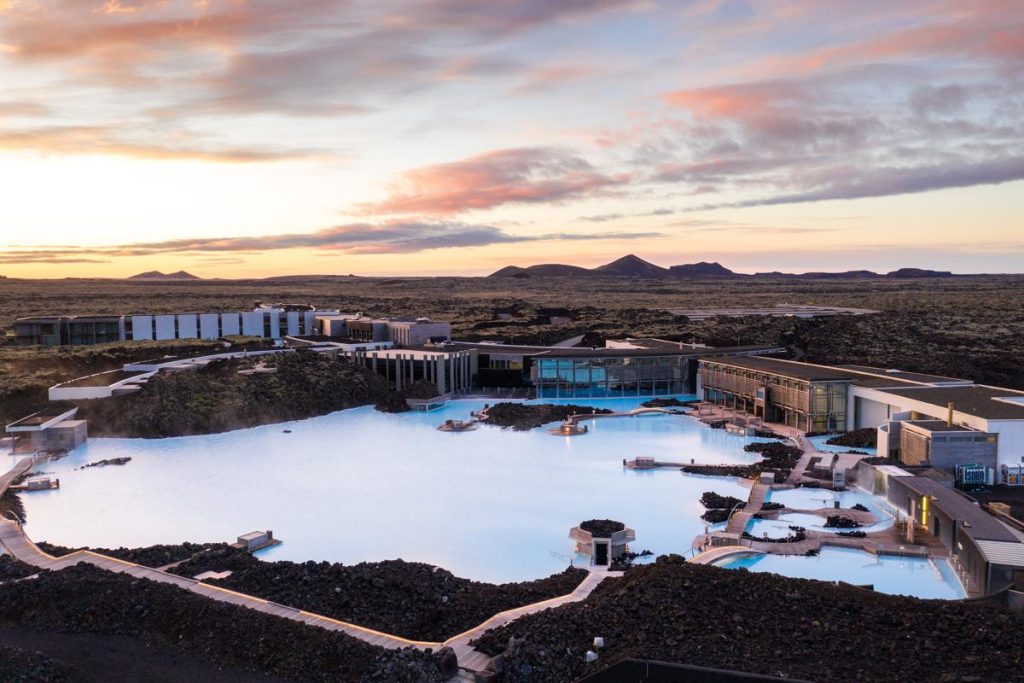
<point x="903" y="374"/>
<point x="588" y="352"/>
<point x="974" y="400"/>
<point x="939" y="426"/>
<point x="954" y="504"/>
<point x="785" y="368"/>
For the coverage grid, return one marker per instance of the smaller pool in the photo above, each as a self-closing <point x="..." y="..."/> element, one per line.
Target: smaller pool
<point x="779" y="528"/>
<point x="813" y="499"/>
<point x="914" y="576"/>
<point x="819" y="443"/>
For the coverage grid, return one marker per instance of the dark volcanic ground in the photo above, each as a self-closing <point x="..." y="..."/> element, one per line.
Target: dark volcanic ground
<point x="761" y="623"/>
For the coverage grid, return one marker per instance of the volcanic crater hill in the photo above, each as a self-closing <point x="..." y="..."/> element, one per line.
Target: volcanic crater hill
<point x="761" y="623"/>
<point x="632" y="266"/>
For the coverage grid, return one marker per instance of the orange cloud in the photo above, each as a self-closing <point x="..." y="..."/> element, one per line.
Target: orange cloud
<point x="739" y="100"/>
<point x="511" y="176"/>
<point x="79" y="140"/>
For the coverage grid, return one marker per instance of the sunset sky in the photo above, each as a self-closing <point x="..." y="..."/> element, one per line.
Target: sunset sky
<point x="242" y="138"/>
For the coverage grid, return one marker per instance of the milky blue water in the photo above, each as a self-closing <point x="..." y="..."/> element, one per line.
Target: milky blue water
<point x="490" y="504"/>
<point x="819" y="443"/>
<point x="812" y="499"/>
<point x="919" y="577"/>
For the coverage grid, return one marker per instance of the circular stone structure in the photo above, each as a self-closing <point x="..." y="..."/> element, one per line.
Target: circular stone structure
<point x="603" y="540"/>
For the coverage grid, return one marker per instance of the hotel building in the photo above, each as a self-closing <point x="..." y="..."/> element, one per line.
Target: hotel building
<point x="921" y="419"/>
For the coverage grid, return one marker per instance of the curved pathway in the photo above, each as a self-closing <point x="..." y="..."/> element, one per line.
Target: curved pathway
<point x="16" y="542"/>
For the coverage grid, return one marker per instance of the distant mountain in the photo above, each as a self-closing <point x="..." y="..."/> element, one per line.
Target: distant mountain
<point x="631" y="266"/>
<point x="157" y="275"/>
<point x="634" y="266"/>
<point x="542" y="270"/>
<point x="702" y="269"/>
<point x="918" y="272"/>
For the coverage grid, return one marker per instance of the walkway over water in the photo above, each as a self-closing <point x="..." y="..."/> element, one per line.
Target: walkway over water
<point x="16" y="542"/>
<point x="575" y="419"/>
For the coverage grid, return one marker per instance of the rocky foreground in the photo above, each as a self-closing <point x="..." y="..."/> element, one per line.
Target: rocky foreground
<point x="409" y="599"/>
<point x="166" y="619"/>
<point x="734" y="619"/>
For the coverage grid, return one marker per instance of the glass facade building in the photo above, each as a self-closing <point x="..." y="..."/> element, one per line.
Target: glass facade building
<point x="611" y="376"/>
<point x="810" y="403"/>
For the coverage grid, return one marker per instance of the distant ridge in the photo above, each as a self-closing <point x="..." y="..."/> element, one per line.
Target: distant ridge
<point x="636" y="267"/>
<point x="543" y="270"/>
<point x="702" y="269"/>
<point x="157" y="275"/>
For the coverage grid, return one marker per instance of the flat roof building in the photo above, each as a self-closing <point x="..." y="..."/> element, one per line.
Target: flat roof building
<point x="597" y="372"/>
<point x="922" y="419"/>
<point x="811" y="398"/>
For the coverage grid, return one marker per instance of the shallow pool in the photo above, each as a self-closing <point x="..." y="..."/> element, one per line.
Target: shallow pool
<point x="819" y="443"/>
<point x="805" y="498"/>
<point x="919" y="577"/>
<point x="356" y="485"/>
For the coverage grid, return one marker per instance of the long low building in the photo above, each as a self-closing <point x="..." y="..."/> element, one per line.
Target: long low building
<point x="273" y="321"/>
<point x="921" y="419"/>
<point x="639" y="368"/>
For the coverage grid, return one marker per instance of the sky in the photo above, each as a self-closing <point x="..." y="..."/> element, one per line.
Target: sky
<point x="252" y="138"/>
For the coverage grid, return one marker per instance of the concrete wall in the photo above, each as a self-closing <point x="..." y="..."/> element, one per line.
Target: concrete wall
<point x="868" y="412"/>
<point x="292" y="321"/>
<point x="946" y="456"/>
<point x="1011" y="440"/>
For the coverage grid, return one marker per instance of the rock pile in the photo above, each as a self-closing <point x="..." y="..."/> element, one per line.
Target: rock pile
<point x="777" y="457"/>
<point x="858" y="438"/>
<point x="602" y="528"/>
<point x="841" y="522"/>
<point x="713" y="617"/>
<point x="104" y="463"/>
<point x="669" y="403"/>
<point x="521" y="417"/>
<point x="718" y="506"/>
